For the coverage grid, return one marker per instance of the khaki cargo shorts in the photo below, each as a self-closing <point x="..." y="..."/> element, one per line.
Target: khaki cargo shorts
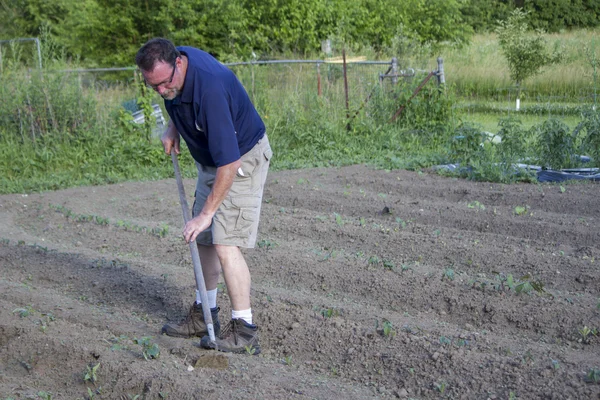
<point x="236" y="221"/>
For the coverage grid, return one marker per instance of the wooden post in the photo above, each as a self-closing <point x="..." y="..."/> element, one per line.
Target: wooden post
<point x="394" y="70"/>
<point x="318" y="79"/>
<point x="346" y="89"/>
<point x="440" y="72"/>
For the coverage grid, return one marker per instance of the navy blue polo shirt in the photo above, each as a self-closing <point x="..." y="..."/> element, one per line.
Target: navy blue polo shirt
<point x="213" y="112"/>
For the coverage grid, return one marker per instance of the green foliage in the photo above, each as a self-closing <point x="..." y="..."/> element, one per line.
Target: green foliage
<point x="91" y="374"/>
<point x="555" y="144"/>
<point x="525" y="53"/>
<point x="589" y="131"/>
<point x="150" y="350"/>
<point x="562" y="14"/>
<point x="465" y="146"/>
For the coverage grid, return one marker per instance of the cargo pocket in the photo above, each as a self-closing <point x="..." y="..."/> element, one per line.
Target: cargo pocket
<point x="242" y="215"/>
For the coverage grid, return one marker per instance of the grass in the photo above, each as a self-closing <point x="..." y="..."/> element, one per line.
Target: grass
<point x="57" y="131"/>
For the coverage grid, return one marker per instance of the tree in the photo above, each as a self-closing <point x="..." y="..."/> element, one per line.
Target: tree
<point x="526" y="53"/>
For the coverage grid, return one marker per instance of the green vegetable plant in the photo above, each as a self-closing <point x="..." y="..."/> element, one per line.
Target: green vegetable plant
<point x="91" y="374"/>
<point x="149" y="350"/>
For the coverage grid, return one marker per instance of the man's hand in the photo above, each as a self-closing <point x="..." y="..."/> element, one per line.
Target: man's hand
<point x="196" y="225"/>
<point x="170" y="139"/>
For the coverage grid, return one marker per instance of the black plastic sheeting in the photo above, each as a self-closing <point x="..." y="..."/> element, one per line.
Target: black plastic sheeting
<point x="542" y="174"/>
<point x="549" y="175"/>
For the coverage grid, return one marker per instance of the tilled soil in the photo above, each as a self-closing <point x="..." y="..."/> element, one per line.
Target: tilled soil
<point x="366" y="284"/>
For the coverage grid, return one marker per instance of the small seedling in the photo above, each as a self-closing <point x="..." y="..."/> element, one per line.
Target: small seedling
<point x="91" y="394"/>
<point x="329" y="312"/>
<point x="266" y="244"/>
<point x="45" y="395"/>
<point x="24" y="312"/>
<point x="338" y="219"/>
<point x="250" y="349"/>
<point x="401" y="222"/>
<point x="476" y="205"/>
<point x="374" y="260"/>
<point x="90" y="374"/>
<point x="149" y="350"/>
<point x="593" y="375"/>
<point x="562" y="189"/>
<point x="287" y="360"/>
<point x="441" y="387"/>
<point x="586" y="334"/>
<point x="448" y="274"/>
<point x="521" y="210"/>
<point x="387" y="264"/>
<point x="555" y="365"/>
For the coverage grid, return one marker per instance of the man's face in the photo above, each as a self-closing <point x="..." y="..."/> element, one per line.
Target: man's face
<point x="165" y="79"/>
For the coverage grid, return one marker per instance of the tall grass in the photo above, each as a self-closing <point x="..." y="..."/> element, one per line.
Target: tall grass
<point x="480" y="70"/>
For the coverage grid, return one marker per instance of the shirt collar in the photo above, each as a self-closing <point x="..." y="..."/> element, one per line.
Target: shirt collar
<point x="187" y="94"/>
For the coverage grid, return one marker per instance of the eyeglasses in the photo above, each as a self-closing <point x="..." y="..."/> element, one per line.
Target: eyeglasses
<point x="168" y="81"/>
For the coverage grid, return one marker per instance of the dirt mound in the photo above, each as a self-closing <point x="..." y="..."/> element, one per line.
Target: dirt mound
<point x="366" y="284"/>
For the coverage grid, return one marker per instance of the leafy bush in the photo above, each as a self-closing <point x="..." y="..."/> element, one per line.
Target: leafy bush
<point x="589" y="130"/>
<point x="555" y="144"/>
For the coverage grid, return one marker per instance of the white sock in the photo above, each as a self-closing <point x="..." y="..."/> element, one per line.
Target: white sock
<point x="246" y="315"/>
<point x="212" y="298"/>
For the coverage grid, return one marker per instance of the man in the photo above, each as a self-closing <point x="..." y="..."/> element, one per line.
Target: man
<point x="211" y="110"/>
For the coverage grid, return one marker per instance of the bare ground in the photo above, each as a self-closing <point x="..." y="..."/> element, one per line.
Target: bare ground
<point x="366" y="284"/>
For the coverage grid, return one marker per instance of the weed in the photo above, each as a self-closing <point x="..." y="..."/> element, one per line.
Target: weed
<point x="562" y="189"/>
<point x="149" y="350"/>
<point x="91" y="374"/>
<point x="91" y="394"/>
<point x="555" y="365"/>
<point x="45" y="395"/>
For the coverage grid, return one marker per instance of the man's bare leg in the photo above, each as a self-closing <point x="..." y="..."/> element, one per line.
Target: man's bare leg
<point x="211" y="266"/>
<point x="237" y="276"/>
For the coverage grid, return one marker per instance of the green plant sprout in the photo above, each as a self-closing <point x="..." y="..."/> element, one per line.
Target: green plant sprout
<point x="149" y="350"/>
<point x="593" y="375"/>
<point x="586" y="334"/>
<point x="476" y="205"/>
<point x="250" y="349"/>
<point x="24" y="312"/>
<point x="287" y="360"/>
<point x="91" y="374"/>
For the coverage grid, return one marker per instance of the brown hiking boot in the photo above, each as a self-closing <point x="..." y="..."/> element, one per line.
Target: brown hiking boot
<point x="193" y="324"/>
<point x="237" y="337"/>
